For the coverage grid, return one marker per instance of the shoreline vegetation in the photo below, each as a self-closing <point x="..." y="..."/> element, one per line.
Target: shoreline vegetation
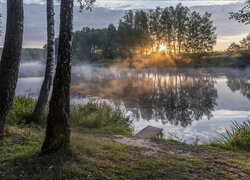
<point x="213" y="59"/>
<point x="102" y="147"/>
<point x="216" y="59"/>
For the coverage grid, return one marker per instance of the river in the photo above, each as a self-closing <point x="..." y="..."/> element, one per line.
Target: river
<point x="188" y="103"/>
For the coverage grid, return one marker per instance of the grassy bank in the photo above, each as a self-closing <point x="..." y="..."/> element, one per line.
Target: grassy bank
<point x="97" y="153"/>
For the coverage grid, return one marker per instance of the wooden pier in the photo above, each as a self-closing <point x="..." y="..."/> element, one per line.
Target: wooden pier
<point x="148" y="132"/>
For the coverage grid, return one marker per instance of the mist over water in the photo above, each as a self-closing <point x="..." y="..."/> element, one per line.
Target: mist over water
<point x="187" y="103"/>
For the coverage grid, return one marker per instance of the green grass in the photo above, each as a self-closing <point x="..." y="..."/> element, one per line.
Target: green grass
<point x="237" y="136"/>
<point x="94" y="157"/>
<point x="94" y="154"/>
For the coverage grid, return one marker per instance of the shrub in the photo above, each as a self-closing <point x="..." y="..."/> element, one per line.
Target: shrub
<point x="238" y="135"/>
<point x="93" y="116"/>
<point x="96" y="115"/>
<point x="21" y="110"/>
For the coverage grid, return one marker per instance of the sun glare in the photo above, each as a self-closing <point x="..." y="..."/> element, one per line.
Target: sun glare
<point x="162" y="47"/>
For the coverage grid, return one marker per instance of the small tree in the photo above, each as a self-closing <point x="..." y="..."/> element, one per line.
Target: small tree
<point x="141" y="31"/>
<point x="155" y="26"/>
<point x="234" y="48"/>
<point x="181" y="25"/>
<point x="167" y="28"/>
<point x="126" y="34"/>
<point x="110" y="42"/>
<point x="242" y="49"/>
<point x="201" y="35"/>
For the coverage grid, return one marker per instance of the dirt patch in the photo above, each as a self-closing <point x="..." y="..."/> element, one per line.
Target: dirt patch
<point x="152" y="149"/>
<point x="230" y="169"/>
<point x="147" y="143"/>
<point x="157" y="149"/>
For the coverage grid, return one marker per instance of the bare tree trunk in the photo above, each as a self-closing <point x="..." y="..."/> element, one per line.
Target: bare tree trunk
<point x="58" y="126"/>
<point x="47" y="83"/>
<point x="11" y="57"/>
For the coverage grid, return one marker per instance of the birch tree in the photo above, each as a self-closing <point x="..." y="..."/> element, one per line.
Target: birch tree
<point x="47" y="83"/>
<point x="58" y="122"/>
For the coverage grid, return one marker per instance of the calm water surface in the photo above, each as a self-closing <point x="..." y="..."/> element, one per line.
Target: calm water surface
<point x="187" y="103"/>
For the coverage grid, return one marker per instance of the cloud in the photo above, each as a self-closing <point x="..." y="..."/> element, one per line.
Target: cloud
<point x="35" y="20"/>
<point x="147" y="4"/>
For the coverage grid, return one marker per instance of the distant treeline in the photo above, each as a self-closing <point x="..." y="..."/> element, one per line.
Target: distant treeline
<point x="242" y="49"/>
<point x="31" y="54"/>
<point x="145" y="32"/>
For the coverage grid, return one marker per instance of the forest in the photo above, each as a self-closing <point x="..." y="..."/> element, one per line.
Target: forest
<point x="169" y="34"/>
<point x="172" y="31"/>
<point x="31" y="54"/>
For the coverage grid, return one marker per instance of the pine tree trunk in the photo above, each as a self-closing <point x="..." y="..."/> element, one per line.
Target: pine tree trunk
<point x="47" y="83"/>
<point x="58" y="127"/>
<point x="11" y="57"/>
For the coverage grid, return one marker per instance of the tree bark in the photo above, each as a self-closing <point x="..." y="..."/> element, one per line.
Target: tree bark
<point x="58" y="127"/>
<point x="11" y="57"/>
<point x="47" y="83"/>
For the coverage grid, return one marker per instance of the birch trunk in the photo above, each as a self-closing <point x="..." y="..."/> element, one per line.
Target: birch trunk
<point x="11" y="57"/>
<point x="58" y="126"/>
<point x="47" y="83"/>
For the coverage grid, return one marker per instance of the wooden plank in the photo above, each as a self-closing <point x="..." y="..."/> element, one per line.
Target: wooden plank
<point x="148" y="132"/>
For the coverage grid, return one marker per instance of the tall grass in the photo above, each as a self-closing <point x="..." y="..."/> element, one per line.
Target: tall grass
<point x="97" y="115"/>
<point x="238" y="135"/>
<point x="21" y="111"/>
<point x="94" y="116"/>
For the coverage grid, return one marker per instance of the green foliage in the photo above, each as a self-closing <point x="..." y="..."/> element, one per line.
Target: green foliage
<point x="96" y="115"/>
<point x="242" y="49"/>
<point x="201" y="35"/>
<point x="155" y="26"/>
<point x="88" y="44"/>
<point x="21" y="111"/>
<point x="110" y="43"/>
<point x="243" y="16"/>
<point x="238" y="135"/>
<point x="87" y="4"/>
<point x="141" y="33"/>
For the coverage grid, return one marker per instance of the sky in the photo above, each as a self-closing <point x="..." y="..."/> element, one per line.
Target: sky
<point x="128" y="4"/>
<point x="110" y="11"/>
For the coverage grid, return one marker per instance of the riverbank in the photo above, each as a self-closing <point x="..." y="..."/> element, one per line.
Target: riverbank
<point x="203" y="60"/>
<point x="102" y="148"/>
<point x="102" y="156"/>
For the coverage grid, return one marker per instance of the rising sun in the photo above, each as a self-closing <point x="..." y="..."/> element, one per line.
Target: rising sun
<point x="162" y="47"/>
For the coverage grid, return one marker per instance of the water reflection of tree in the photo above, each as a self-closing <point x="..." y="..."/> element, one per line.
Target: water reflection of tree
<point x="179" y="100"/>
<point x="239" y="81"/>
<point x="176" y="98"/>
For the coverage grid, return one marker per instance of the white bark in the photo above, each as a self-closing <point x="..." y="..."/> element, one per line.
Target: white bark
<point x="47" y="83"/>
